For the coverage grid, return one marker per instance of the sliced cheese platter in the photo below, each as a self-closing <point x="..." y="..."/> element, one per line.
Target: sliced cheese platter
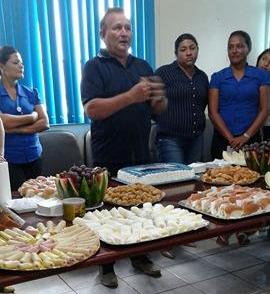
<point x="120" y="226"/>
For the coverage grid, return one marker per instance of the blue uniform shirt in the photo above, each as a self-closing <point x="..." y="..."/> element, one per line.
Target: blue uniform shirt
<point x="122" y="138"/>
<point x="239" y="100"/>
<point x="20" y="148"/>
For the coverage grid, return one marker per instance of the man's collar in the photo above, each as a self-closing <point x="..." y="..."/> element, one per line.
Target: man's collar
<point x="104" y="53"/>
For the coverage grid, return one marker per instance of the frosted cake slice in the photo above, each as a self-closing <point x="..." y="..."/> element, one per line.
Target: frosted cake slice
<point x="156" y="173"/>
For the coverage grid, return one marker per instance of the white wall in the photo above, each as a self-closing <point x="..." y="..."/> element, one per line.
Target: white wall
<point x="211" y="22"/>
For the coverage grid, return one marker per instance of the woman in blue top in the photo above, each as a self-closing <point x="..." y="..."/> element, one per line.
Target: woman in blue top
<point x="263" y="61"/>
<point x="23" y="117"/>
<point x="237" y="98"/>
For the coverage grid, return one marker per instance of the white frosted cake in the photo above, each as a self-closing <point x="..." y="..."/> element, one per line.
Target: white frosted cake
<point x="156" y="173"/>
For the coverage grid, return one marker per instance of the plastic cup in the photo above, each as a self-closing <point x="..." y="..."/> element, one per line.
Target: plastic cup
<point x="73" y="207"/>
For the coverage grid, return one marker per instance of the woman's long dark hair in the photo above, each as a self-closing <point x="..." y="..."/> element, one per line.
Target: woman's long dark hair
<point x="261" y="55"/>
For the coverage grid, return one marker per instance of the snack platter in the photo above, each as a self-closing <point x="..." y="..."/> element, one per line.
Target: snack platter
<point x="161" y="183"/>
<point x="230" y="175"/>
<point x="229" y="202"/>
<point x="46" y="246"/>
<point x="162" y="195"/>
<point x="133" y="194"/>
<point x="151" y="222"/>
<point x="41" y="186"/>
<point x="224" y="183"/>
<point x="105" y="240"/>
<point x="183" y="204"/>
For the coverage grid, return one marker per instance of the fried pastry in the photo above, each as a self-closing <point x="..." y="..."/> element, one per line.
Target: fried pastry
<point x="230" y="175"/>
<point x="133" y="194"/>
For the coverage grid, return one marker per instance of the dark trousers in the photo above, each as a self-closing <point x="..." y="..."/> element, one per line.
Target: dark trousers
<point x="19" y="173"/>
<point x="266" y="133"/>
<point x="108" y="267"/>
<point x="219" y="144"/>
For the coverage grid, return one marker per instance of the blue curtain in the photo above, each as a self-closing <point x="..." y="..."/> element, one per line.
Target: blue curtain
<point x="57" y="37"/>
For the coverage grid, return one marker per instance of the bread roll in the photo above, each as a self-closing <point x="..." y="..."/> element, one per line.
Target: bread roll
<point x="250" y="208"/>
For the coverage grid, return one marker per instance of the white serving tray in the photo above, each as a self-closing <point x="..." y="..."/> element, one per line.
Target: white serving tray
<point x="203" y="225"/>
<point x="183" y="204"/>
<point x="25" y="204"/>
<point x="151" y="222"/>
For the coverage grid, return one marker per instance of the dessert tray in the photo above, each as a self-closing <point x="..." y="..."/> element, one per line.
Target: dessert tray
<point x="229" y="203"/>
<point x="151" y="222"/>
<point x="133" y="194"/>
<point x="41" y="186"/>
<point x="46" y="247"/>
<point x="230" y="175"/>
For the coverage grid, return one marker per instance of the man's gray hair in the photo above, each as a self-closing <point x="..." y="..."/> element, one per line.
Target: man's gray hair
<point x="109" y="12"/>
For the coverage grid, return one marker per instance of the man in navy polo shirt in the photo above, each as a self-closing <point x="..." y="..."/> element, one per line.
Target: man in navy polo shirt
<point x="119" y="97"/>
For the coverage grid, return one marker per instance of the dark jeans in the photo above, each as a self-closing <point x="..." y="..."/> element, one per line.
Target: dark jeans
<point x="219" y="143"/>
<point x="180" y="149"/>
<point x="19" y="173"/>
<point x="266" y="133"/>
<point x="108" y="267"/>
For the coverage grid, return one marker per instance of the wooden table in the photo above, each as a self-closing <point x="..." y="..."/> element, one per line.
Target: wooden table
<point x="109" y="253"/>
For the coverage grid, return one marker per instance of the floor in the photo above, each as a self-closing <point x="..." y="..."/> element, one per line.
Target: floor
<point x="206" y="268"/>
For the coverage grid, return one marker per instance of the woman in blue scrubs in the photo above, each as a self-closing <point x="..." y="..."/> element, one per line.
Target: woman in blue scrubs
<point x="263" y="62"/>
<point x="237" y="98"/>
<point x="237" y="105"/>
<point x="23" y="118"/>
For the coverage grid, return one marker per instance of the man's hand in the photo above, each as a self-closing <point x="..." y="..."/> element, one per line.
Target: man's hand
<point x="140" y="92"/>
<point x="157" y="88"/>
<point x="148" y="88"/>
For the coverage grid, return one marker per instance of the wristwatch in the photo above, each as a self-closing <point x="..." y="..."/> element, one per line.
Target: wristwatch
<point x="246" y="135"/>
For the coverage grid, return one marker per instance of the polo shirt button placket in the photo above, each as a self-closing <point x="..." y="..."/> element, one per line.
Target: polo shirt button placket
<point x="194" y="127"/>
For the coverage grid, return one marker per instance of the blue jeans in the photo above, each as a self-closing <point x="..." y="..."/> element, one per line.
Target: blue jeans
<point x="180" y="149"/>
